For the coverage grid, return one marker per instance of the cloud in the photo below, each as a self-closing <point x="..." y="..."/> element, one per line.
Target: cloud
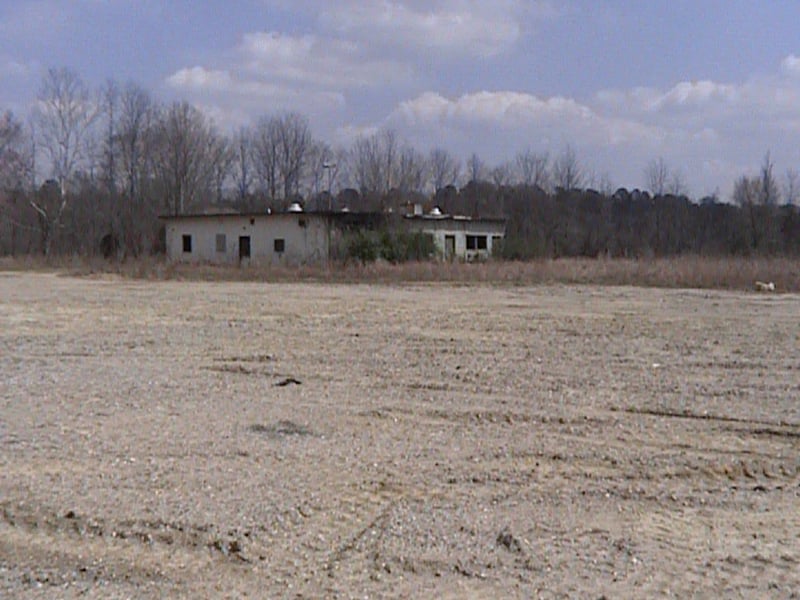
<point x="791" y="65"/>
<point x="317" y="61"/>
<point x="232" y="101"/>
<point x="455" y="27"/>
<point x="685" y="95"/>
<point x="363" y="66"/>
<point x="222" y="82"/>
<point x="9" y="67"/>
<point x="520" y="115"/>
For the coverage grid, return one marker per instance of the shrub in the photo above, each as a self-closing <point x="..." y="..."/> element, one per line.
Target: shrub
<point x="362" y="247"/>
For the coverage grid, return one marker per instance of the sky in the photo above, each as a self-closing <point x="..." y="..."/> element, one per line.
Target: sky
<point x="710" y="86"/>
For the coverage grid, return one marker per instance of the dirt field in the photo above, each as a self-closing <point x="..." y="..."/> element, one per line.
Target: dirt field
<point x="239" y="439"/>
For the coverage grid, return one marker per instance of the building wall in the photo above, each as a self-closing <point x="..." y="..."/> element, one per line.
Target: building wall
<point x="305" y="238"/>
<point x="460" y="229"/>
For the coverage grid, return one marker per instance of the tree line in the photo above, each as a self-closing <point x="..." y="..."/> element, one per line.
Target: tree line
<point x="90" y="171"/>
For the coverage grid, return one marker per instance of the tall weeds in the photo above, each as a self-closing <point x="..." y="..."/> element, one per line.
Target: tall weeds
<point x="681" y="272"/>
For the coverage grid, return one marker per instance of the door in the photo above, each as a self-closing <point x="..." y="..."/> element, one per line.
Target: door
<point x="244" y="247"/>
<point x="449" y="247"/>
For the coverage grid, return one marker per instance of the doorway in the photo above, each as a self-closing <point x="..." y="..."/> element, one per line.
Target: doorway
<point x="449" y="247"/>
<point x="244" y="247"/>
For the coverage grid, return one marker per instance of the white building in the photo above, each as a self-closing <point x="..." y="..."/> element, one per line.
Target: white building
<point x="298" y="238"/>
<point x="290" y="238"/>
<point x="458" y="237"/>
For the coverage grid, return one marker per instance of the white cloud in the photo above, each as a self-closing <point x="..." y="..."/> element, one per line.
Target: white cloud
<point x="791" y="65"/>
<point x="520" y="115"/>
<point x="13" y="68"/>
<point x="233" y="102"/>
<point x="690" y="94"/>
<point x="317" y="61"/>
<point x="365" y="67"/>
<point x="685" y="95"/>
<point x="483" y="30"/>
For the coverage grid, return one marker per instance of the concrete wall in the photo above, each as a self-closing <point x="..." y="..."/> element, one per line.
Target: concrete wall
<point x="305" y="238"/>
<point x="459" y="229"/>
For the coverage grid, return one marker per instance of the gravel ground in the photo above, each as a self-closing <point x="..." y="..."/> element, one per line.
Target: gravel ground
<point x="219" y="440"/>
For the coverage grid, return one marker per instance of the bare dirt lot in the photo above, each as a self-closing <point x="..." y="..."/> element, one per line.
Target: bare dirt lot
<point x="214" y="440"/>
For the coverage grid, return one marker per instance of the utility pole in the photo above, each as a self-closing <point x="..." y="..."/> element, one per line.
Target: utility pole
<point x="329" y="166"/>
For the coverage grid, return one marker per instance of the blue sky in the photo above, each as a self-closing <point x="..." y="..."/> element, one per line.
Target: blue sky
<point x="709" y="85"/>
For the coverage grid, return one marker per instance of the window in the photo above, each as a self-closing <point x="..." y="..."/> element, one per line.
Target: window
<point x="187" y="244"/>
<point x="476" y="242"/>
<point x="221" y="242"/>
<point x="301" y="222"/>
<point x="280" y="245"/>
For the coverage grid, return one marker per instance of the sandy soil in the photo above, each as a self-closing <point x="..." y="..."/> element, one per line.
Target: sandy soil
<point x="228" y="440"/>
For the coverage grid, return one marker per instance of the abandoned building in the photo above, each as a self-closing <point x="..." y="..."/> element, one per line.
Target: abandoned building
<point x="295" y="237"/>
<point x="458" y="237"/>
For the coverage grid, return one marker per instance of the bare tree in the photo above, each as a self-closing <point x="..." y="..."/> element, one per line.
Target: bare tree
<point x="410" y="170"/>
<point x="321" y="169"/>
<point x="64" y="117"/>
<point x="476" y="168"/>
<point x="12" y="160"/>
<point x="183" y="155"/>
<point x="444" y="168"/>
<point x="769" y="192"/>
<point x="567" y="170"/>
<point x="109" y="107"/>
<point x="532" y="169"/>
<point x="294" y="142"/>
<point x="604" y="185"/>
<point x="221" y="156"/>
<point x="389" y="151"/>
<point x="134" y="131"/>
<point x="242" y="165"/>
<point x="365" y="164"/>
<point x="656" y="175"/>
<point x="791" y="186"/>
<point x="501" y="174"/>
<point x="266" y="144"/>
<point x="746" y="191"/>
<point x="677" y="186"/>
<point x="374" y="162"/>
<point x="14" y="165"/>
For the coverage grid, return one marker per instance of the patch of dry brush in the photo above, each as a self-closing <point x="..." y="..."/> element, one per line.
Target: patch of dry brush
<point x="681" y="272"/>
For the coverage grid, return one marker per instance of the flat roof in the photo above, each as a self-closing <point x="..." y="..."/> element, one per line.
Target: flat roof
<point x="333" y="214"/>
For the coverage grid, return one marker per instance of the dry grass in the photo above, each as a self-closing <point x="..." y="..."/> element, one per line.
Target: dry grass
<point x="682" y="272"/>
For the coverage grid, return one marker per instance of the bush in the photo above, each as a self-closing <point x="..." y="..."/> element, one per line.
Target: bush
<point x="404" y="246"/>
<point x="394" y="247"/>
<point x="362" y="247"/>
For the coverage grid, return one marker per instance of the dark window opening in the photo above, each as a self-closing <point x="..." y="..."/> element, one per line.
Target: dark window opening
<point x="252" y="221"/>
<point x="221" y="242"/>
<point x="477" y="242"/>
<point x="187" y="244"/>
<point x="280" y="245"/>
<point x="244" y="246"/>
<point x="301" y="222"/>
